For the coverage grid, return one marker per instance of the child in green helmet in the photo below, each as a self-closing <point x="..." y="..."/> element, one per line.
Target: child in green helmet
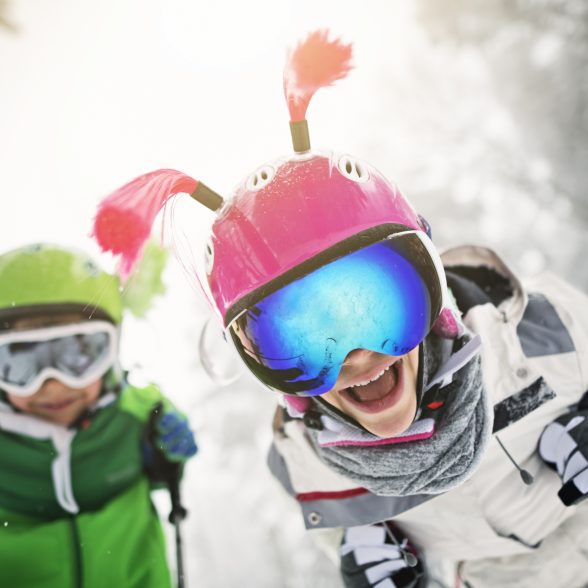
<point x="80" y="448"/>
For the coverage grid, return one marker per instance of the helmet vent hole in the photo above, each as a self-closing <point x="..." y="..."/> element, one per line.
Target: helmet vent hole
<point x="260" y="178"/>
<point x="353" y="169"/>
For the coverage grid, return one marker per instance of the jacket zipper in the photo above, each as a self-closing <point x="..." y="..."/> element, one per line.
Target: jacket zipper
<point x="77" y="553"/>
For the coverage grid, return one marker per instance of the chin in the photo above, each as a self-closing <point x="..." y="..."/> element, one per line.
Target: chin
<point x="389" y="429"/>
<point x="65" y="420"/>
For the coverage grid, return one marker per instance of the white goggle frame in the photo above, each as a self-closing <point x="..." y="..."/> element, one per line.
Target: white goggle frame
<point x="46" y="334"/>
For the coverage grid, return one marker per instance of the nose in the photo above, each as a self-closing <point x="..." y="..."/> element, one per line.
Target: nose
<point x="52" y="385"/>
<point x="357" y="356"/>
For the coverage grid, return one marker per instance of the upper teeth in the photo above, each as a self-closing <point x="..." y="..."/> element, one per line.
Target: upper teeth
<point x="377" y="376"/>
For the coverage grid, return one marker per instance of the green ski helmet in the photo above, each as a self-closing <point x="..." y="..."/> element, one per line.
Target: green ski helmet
<point x="43" y="278"/>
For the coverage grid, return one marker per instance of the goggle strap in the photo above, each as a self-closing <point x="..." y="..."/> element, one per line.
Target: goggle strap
<point x="438" y="264"/>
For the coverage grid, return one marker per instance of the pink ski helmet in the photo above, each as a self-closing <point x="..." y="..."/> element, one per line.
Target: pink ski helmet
<point x="285" y="223"/>
<point x="290" y="211"/>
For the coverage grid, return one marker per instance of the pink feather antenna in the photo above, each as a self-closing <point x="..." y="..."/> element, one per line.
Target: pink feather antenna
<point x="125" y="218"/>
<point x="313" y="64"/>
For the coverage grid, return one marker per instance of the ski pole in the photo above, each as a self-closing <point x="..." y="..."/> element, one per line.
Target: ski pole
<point x="176" y="516"/>
<point x="169" y="472"/>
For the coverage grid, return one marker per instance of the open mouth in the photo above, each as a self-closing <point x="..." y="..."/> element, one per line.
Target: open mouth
<point x="379" y="393"/>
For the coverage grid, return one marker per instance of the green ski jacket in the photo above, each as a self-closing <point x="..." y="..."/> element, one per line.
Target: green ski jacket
<point x="75" y="509"/>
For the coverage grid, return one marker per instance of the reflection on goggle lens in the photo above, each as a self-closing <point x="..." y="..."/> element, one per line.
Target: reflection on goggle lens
<point x="73" y="355"/>
<point x="383" y="297"/>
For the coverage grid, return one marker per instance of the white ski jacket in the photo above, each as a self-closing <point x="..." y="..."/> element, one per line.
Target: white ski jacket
<point x="535" y="366"/>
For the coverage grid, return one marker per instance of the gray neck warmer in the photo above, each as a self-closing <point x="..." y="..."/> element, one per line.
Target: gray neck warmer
<point x="427" y="466"/>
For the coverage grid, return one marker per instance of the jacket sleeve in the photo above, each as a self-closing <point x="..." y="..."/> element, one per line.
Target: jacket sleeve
<point x="571" y="306"/>
<point x="140" y="402"/>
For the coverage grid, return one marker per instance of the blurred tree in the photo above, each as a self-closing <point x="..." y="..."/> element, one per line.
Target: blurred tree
<point x="534" y="54"/>
<point x="537" y="53"/>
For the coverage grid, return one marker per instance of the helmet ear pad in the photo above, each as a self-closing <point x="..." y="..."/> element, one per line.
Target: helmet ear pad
<point x="448" y="325"/>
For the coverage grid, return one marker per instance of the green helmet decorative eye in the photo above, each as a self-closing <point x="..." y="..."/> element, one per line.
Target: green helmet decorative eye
<point x="38" y="278"/>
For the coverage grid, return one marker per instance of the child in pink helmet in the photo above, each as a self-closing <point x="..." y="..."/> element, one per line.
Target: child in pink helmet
<point x="431" y="413"/>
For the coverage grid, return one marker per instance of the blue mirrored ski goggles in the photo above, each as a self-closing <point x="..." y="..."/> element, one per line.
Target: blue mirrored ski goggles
<point x="75" y="354"/>
<point x="383" y="297"/>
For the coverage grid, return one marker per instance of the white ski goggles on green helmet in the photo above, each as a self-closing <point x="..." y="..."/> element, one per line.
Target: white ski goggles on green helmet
<point x="76" y="354"/>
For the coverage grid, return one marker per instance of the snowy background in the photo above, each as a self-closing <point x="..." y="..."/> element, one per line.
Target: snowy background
<point x="478" y="110"/>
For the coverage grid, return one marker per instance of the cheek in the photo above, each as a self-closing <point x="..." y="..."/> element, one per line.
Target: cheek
<point x="19" y="402"/>
<point x="332" y="399"/>
<point x="411" y="368"/>
<point x="92" y="391"/>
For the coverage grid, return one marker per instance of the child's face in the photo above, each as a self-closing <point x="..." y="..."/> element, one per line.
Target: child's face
<point x="54" y="401"/>
<point x="387" y="405"/>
